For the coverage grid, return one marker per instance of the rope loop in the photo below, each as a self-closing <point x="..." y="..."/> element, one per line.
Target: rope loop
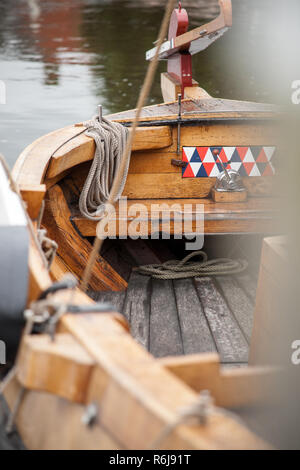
<point x="185" y="268"/>
<point x="110" y="139"/>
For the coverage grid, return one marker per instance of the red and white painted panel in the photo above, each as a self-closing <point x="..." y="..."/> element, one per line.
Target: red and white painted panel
<point x="201" y="162"/>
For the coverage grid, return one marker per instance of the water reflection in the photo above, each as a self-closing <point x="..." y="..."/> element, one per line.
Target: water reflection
<point x="59" y="58"/>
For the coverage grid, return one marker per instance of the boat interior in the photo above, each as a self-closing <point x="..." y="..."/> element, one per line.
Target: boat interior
<point x="186" y="316"/>
<point x="191" y="326"/>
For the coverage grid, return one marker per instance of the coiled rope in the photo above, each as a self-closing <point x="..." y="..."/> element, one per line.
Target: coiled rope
<point x="110" y="139"/>
<point x="184" y="269"/>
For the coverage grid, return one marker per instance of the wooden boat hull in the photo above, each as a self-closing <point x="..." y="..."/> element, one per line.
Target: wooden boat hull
<point x="95" y="359"/>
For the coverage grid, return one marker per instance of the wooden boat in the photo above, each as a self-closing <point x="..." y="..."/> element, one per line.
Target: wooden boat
<point x="96" y="385"/>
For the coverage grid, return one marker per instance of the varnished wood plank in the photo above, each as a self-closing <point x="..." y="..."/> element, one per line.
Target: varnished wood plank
<point x="48" y="422"/>
<point x="82" y="148"/>
<point x="167" y="185"/>
<point x="230" y="388"/>
<point x="195" y="332"/>
<point x="229" y="196"/>
<point x="165" y="333"/>
<point x="209" y="108"/>
<point x="171" y="88"/>
<point x="61" y="367"/>
<point x="39" y="278"/>
<point x="32" y="164"/>
<point x="137" y="385"/>
<point x="73" y="249"/>
<point x="230" y="341"/>
<point x="239" y="303"/>
<point x="271" y="305"/>
<point x="59" y="269"/>
<point x="137" y="308"/>
<point x="223" y="133"/>
<point x="254" y="216"/>
<point x="33" y="196"/>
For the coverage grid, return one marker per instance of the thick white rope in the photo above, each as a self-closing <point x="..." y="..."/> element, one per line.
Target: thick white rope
<point x="110" y="140"/>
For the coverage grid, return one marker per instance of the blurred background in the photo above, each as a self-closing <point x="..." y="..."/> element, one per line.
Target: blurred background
<point x="60" y="58"/>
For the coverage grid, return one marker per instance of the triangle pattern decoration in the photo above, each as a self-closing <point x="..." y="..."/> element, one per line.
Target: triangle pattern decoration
<point x="247" y="160"/>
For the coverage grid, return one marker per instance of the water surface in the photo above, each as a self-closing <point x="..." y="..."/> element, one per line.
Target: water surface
<point x="60" y="58"/>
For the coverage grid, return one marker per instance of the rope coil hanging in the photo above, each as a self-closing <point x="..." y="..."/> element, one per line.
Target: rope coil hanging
<point x="184" y="269"/>
<point x="110" y="140"/>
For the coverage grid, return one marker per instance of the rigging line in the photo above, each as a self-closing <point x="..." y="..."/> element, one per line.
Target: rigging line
<point x="127" y="152"/>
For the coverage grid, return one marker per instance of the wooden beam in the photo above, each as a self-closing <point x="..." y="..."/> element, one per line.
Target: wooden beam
<point x="72" y="248"/>
<point x="233" y="388"/>
<point x="33" y="196"/>
<point x="69" y="149"/>
<point x="130" y="383"/>
<point x="256" y="215"/>
<point x="171" y="88"/>
<point x="210" y="110"/>
<point x="61" y="367"/>
<point x="271" y="302"/>
<point x="82" y="149"/>
<point x="39" y="279"/>
<point x="48" y="422"/>
<point x="126" y="383"/>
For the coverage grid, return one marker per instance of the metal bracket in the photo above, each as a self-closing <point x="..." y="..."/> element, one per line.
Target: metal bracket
<point x="228" y="180"/>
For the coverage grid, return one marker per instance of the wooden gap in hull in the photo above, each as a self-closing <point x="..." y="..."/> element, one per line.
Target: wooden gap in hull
<point x="72" y="248"/>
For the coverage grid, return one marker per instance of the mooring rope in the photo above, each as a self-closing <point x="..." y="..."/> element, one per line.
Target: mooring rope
<point x="184" y="269"/>
<point x="110" y="140"/>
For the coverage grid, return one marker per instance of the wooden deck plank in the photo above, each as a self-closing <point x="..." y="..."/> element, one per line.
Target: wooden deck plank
<point x="231" y="343"/>
<point x="137" y="307"/>
<point x="248" y="284"/>
<point x="116" y="299"/>
<point x="165" y="334"/>
<point x="239" y="303"/>
<point x="196" y="335"/>
<point x="140" y="252"/>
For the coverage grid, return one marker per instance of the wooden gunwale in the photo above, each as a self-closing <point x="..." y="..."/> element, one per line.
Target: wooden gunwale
<point x="35" y="164"/>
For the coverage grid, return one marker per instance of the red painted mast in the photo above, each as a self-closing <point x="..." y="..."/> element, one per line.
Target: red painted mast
<point x="180" y="63"/>
<point x="182" y="44"/>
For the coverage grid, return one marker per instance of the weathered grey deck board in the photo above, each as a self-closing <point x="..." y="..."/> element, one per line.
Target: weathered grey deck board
<point x="165" y="334"/>
<point x="239" y="303"/>
<point x="196" y="335"/>
<point x="137" y="307"/>
<point x="114" y="298"/>
<point x="231" y="343"/>
<point x="248" y="284"/>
